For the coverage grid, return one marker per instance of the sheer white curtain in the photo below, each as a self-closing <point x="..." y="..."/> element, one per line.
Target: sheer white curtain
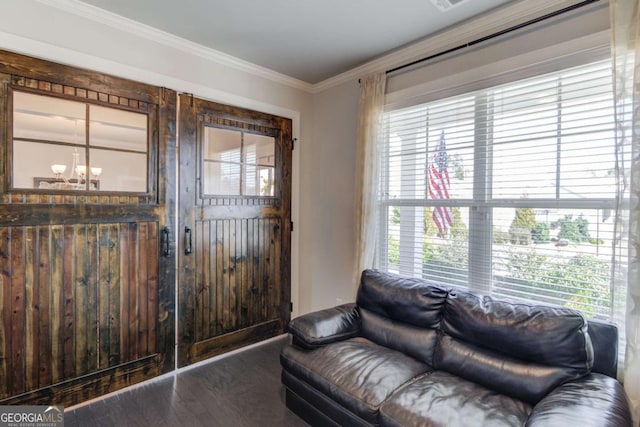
<point x="626" y="69"/>
<point x="372" y="89"/>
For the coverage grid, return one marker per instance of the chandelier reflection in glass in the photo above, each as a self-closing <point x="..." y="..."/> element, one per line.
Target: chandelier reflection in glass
<point x="77" y="174"/>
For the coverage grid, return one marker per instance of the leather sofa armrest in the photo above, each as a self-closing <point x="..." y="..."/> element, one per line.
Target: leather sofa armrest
<point x="593" y="400"/>
<point x="322" y="327"/>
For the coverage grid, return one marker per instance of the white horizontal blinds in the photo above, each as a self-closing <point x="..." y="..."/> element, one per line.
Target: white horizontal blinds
<point x="415" y="248"/>
<point x="566" y="260"/>
<point x="531" y="171"/>
<point x="552" y="136"/>
<point x="416" y="138"/>
<point x="553" y="164"/>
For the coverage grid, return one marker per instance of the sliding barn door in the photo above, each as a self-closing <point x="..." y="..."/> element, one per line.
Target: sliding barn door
<point x="235" y="225"/>
<point x="86" y="256"/>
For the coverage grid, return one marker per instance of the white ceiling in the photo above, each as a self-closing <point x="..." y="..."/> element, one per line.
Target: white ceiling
<point x="304" y="39"/>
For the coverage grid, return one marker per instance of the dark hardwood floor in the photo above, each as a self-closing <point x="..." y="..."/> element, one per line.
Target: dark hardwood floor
<point x="242" y="389"/>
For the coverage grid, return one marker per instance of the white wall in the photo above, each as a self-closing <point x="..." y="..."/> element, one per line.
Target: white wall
<point x="40" y="30"/>
<point x="328" y="209"/>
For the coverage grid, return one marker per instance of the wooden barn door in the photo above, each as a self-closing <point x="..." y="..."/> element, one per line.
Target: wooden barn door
<point x="87" y="263"/>
<point x="234" y="216"/>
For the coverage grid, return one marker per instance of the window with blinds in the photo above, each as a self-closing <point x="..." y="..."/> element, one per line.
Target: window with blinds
<point x="509" y="191"/>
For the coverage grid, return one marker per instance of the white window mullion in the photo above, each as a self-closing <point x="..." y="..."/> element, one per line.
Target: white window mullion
<point x="480" y="215"/>
<point x="412" y="186"/>
<point x="558" y="137"/>
<point x="382" y="253"/>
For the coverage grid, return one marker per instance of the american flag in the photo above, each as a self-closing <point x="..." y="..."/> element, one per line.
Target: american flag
<point x="439" y="185"/>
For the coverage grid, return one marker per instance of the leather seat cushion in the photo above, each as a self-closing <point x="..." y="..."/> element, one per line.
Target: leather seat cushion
<point x="443" y="399"/>
<point x="356" y="373"/>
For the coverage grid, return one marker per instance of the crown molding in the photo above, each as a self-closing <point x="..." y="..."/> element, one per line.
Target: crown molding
<point x="51" y="52"/>
<point x="484" y="25"/>
<point x="507" y="16"/>
<point x="121" y="23"/>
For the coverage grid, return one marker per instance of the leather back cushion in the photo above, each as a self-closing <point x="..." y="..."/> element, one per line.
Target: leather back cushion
<point x="414" y="341"/>
<point x="522" y="349"/>
<point x="528" y="382"/>
<point x="417" y="302"/>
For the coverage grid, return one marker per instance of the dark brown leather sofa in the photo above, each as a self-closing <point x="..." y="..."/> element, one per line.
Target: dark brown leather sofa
<point x="411" y="352"/>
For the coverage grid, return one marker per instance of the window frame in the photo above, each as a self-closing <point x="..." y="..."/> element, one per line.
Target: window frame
<point x="268" y="132"/>
<point x="481" y="206"/>
<point x="101" y="100"/>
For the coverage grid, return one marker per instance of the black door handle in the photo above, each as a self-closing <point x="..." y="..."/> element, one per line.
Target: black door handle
<point x="165" y="242"/>
<point x="187" y="241"/>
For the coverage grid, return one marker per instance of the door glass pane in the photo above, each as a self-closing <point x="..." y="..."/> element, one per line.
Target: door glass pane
<point x="47" y="118"/>
<point x="43" y="126"/>
<point x="118" y="171"/>
<point x="259" y="149"/>
<point x="258" y="181"/>
<point x="45" y="166"/>
<point x="259" y="158"/>
<point x="222" y="145"/>
<point x="222" y="178"/>
<point x="221" y="158"/>
<point x="237" y="163"/>
<point x="112" y="128"/>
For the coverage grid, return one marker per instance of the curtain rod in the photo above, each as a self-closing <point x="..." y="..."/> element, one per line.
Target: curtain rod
<point x="496" y="34"/>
